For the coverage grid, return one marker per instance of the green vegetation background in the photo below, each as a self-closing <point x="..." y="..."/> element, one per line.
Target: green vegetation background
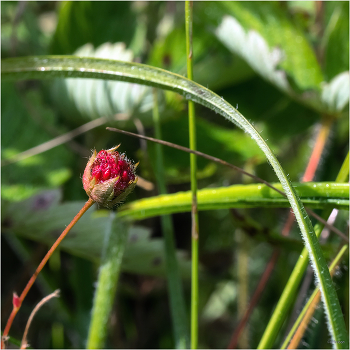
<point x="315" y="46"/>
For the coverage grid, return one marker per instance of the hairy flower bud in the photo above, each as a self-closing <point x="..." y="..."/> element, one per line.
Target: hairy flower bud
<point x="109" y="177"/>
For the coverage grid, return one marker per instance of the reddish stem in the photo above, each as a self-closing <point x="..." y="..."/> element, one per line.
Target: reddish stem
<point x="16" y="308"/>
<point x="259" y="289"/>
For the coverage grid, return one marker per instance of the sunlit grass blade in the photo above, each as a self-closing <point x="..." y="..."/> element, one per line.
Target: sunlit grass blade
<point x="314" y="194"/>
<point x="49" y="67"/>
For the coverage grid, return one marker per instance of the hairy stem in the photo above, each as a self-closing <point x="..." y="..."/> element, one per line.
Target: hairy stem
<point x="309" y="309"/>
<point x="289" y="291"/>
<point x="113" y="251"/>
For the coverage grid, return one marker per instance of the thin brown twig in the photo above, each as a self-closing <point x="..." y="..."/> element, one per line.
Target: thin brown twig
<point x="198" y="153"/>
<point x="55" y="294"/>
<point x="59" y="140"/>
<point x="220" y="161"/>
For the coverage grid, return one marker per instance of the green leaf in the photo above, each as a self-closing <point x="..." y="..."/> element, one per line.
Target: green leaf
<point x="25" y="127"/>
<point x="336" y="38"/>
<point x="42" y="218"/>
<point x="92" y="22"/>
<point x="215" y="68"/>
<point x="50" y="67"/>
<point x="93" y="98"/>
<point x="264" y="36"/>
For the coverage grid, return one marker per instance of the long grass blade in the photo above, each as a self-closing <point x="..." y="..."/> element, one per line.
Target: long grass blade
<point x="314" y="194"/>
<point x="289" y="291"/>
<point x="314" y="299"/>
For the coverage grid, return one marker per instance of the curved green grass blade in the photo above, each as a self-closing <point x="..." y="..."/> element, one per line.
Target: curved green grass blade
<point x="314" y="195"/>
<point x="282" y="308"/>
<point x="48" y="67"/>
<point x="334" y="263"/>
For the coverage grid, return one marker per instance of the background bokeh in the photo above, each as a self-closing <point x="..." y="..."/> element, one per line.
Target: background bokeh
<point x="286" y="71"/>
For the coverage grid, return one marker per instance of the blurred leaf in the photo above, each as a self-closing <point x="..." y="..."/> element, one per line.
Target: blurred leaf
<point x="93" y="98"/>
<point x="214" y="65"/>
<point x="276" y="116"/>
<point x="42" y="218"/>
<point x="336" y="38"/>
<point x="224" y="294"/>
<point x="252" y="47"/>
<point x="21" y="131"/>
<point x="212" y="139"/>
<point x="82" y="22"/>
<point x="267" y="40"/>
<point x="20" y="31"/>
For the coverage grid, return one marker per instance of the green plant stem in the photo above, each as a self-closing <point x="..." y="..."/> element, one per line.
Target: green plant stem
<point x="16" y="307"/>
<point x="49" y="67"/>
<point x="316" y="293"/>
<point x="285" y="301"/>
<point x="114" y="247"/>
<point x="177" y="301"/>
<point x="193" y="164"/>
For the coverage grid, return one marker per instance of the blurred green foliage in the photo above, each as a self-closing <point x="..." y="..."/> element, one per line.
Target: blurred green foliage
<point x="276" y="77"/>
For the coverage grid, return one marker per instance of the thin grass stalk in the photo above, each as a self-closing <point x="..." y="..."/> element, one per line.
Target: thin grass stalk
<point x="309" y="309"/>
<point x="289" y="291"/>
<point x="193" y="164"/>
<point x="177" y="300"/>
<point x="113" y="251"/>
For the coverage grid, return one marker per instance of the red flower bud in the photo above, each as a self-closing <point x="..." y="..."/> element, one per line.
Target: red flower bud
<point x="109" y="177"/>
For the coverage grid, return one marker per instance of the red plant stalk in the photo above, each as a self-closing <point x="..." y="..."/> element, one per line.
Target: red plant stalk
<point x="17" y="301"/>
<point x="108" y="178"/>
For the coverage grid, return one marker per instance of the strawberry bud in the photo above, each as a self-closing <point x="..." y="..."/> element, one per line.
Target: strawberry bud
<point x="109" y="177"/>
